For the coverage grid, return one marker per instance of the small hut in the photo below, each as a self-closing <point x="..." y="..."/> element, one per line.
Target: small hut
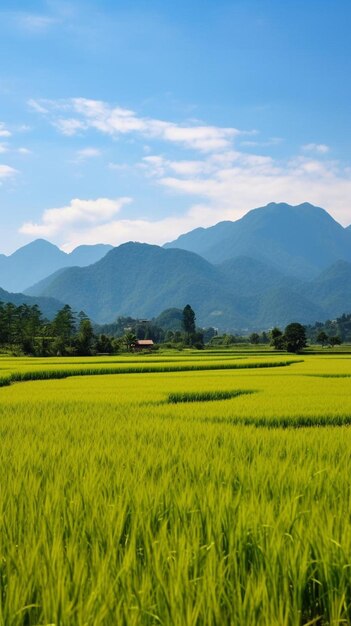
<point x="143" y="344"/>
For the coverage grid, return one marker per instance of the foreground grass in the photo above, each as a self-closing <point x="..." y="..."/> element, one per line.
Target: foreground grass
<point x="117" y="507"/>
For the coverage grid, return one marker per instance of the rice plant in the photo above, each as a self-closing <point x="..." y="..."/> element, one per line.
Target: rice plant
<point x="206" y="396"/>
<point x="118" y="506"/>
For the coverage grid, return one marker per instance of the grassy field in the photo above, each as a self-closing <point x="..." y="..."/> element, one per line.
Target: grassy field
<point x="193" y="490"/>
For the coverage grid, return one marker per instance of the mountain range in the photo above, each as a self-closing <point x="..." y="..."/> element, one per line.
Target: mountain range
<point x="48" y="306"/>
<point x="40" y="258"/>
<point x="277" y="264"/>
<point x="299" y="240"/>
<point x="143" y="280"/>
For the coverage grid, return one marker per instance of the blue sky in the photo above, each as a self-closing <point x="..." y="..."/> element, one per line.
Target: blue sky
<point x="140" y="120"/>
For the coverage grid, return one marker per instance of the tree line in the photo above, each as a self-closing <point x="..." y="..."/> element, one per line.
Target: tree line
<point x="331" y="332"/>
<point x="295" y="336"/>
<point x="292" y="339"/>
<point x="24" y="330"/>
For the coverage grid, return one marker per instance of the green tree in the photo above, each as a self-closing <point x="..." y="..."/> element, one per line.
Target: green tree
<point x="103" y="344"/>
<point x="64" y="328"/>
<point x="129" y="340"/>
<point x="209" y="333"/>
<point x="254" y="338"/>
<point x="198" y="340"/>
<point x="334" y="340"/>
<point x="188" y="323"/>
<point x="264" y="337"/>
<point x="29" y="327"/>
<point x="177" y="336"/>
<point x="295" y="337"/>
<point x="322" y="338"/>
<point x="169" y="336"/>
<point x="64" y="323"/>
<point x="85" y="337"/>
<point x="277" y="339"/>
<point x="8" y="323"/>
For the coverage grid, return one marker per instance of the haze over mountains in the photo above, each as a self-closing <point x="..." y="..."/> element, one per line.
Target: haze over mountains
<point x="40" y="258"/>
<point x="275" y="265"/>
<point x="299" y="240"/>
<point x="48" y="306"/>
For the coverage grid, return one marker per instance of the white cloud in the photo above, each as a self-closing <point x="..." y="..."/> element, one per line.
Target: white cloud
<point x="4" y="132"/>
<point x="201" y="170"/>
<point x="81" y="213"/>
<point x="117" y="232"/>
<point x="157" y="166"/>
<point x="107" y="119"/>
<point x="88" y="153"/>
<point x="118" y="167"/>
<point x="7" y="172"/>
<point x="220" y="182"/>
<point x="37" y="106"/>
<point x="203" y="138"/>
<point x="232" y="183"/>
<point x="84" y="114"/>
<point x="69" y="126"/>
<point x="23" y="128"/>
<point x="320" y="148"/>
<point x="220" y="187"/>
<point x="154" y="165"/>
<point x="4" y="147"/>
<point x="273" y="141"/>
<point x="33" y="23"/>
<point x="188" y="168"/>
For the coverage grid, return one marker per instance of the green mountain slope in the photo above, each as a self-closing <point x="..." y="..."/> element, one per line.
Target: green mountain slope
<point x="250" y="277"/>
<point x="281" y="305"/>
<point x="141" y="280"/>
<point x="41" y="286"/>
<point x="332" y="290"/>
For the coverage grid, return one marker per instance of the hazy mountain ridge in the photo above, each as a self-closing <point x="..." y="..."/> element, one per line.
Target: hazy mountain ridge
<point x="332" y="289"/>
<point x="142" y="280"/>
<point x="299" y="240"/>
<point x="48" y="306"/>
<point x="39" y="259"/>
<point x="44" y="283"/>
<point x="145" y="280"/>
<point x="299" y="268"/>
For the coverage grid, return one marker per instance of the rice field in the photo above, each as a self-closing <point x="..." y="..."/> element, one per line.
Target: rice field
<point x="193" y="490"/>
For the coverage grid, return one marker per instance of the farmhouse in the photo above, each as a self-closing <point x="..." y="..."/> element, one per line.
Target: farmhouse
<point x="143" y="344"/>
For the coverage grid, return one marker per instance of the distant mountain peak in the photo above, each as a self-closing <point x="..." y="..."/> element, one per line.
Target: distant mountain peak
<point x="299" y="240"/>
<point x="38" y="244"/>
<point x="40" y="258"/>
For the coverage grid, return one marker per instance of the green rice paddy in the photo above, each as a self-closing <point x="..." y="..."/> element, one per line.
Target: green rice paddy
<point x="193" y="490"/>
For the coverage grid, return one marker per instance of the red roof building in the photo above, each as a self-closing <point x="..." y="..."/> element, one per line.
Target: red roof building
<point x="143" y="344"/>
